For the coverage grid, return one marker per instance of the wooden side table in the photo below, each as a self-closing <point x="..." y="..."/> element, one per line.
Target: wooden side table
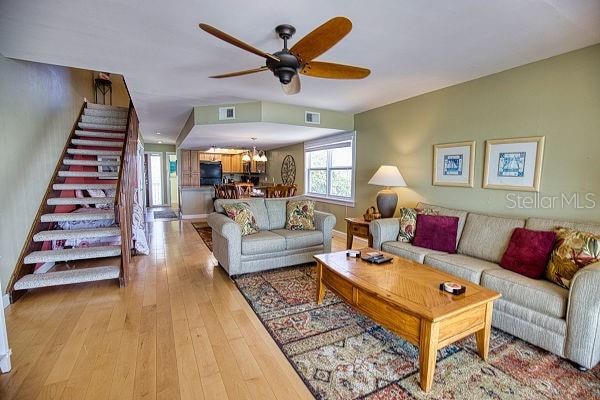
<point x="357" y="227"/>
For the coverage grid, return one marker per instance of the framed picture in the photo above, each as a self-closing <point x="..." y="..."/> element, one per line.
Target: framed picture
<point x="514" y="164"/>
<point x="108" y="168"/>
<point x="454" y="164"/>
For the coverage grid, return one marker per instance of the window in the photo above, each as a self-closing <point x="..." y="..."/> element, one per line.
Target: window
<point x="330" y="168"/>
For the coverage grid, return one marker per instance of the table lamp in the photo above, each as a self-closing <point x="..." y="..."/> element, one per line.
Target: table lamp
<point x="388" y="176"/>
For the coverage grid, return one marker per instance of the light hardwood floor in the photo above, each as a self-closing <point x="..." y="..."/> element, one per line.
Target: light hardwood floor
<point x="180" y="329"/>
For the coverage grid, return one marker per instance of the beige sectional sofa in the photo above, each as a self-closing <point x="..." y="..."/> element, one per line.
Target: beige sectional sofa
<point x="565" y="322"/>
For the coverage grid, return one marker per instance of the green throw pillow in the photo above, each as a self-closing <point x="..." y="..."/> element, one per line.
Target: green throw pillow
<point x="300" y="215"/>
<point x="243" y="216"/>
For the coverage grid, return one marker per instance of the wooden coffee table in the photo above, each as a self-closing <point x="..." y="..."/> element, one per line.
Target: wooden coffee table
<point x="404" y="296"/>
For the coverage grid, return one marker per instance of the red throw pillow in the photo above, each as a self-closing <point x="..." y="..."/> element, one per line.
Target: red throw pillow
<point x="528" y="252"/>
<point x="436" y="232"/>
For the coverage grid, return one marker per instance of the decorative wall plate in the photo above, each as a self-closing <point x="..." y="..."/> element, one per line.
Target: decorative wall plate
<point x="288" y="170"/>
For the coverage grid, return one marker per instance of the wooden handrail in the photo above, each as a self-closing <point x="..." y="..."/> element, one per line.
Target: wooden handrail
<point x="124" y="197"/>
<point x="22" y="269"/>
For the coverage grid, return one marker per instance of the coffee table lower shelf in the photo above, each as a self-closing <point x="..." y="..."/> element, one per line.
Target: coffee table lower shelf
<point x="427" y="335"/>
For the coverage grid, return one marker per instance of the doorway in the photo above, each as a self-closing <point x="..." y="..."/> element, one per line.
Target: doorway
<point x="154" y="179"/>
<point x="171" y="159"/>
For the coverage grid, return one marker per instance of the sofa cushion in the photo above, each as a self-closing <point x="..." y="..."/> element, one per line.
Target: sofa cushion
<point x="243" y="216"/>
<point x="528" y="252"/>
<point x="300" y="239"/>
<point x="262" y="242"/>
<point x="257" y="205"/>
<point x="461" y="214"/>
<point x="547" y="224"/>
<point x="276" y="211"/>
<point x="408" y="250"/>
<point x="538" y="295"/>
<point x="465" y="267"/>
<point x="486" y="236"/>
<point x="574" y="250"/>
<point x="436" y="232"/>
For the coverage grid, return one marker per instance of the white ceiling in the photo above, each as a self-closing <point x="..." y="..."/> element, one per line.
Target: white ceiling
<point x="269" y="135"/>
<point x="411" y="46"/>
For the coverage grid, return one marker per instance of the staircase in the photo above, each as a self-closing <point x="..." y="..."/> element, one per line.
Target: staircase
<point x="98" y="157"/>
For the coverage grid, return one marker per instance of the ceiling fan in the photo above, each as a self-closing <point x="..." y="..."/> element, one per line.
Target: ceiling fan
<point x="287" y="64"/>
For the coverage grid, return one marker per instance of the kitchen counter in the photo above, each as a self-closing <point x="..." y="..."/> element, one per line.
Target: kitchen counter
<point x="196" y="201"/>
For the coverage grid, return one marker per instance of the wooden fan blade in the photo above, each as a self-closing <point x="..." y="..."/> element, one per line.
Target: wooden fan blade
<point x="238" y="73"/>
<point x="293" y="87"/>
<point x="321" y="39"/>
<point x="328" y="70"/>
<point x="236" y="42"/>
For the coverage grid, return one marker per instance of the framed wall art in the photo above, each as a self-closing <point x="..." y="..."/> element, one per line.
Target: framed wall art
<point x="454" y="164"/>
<point x="514" y="164"/>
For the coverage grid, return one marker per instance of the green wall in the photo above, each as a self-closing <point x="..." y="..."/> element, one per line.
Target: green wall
<point x="558" y="98"/>
<point x="38" y="106"/>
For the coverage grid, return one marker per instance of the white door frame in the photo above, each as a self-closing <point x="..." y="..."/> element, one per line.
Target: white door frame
<point x="162" y="178"/>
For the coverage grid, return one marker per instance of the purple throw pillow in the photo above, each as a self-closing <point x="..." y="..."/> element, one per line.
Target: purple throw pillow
<point x="528" y="252"/>
<point x="436" y="232"/>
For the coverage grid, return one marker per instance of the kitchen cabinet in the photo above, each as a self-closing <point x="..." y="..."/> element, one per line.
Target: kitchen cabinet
<point x="236" y="164"/>
<point x="226" y="163"/>
<point x="195" y="162"/>
<point x="190" y="169"/>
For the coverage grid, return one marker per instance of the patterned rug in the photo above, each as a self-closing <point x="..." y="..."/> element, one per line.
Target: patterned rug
<point x="341" y="354"/>
<point x="205" y="233"/>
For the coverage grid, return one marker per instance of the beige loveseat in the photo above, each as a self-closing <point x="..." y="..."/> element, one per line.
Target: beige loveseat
<point x="272" y="247"/>
<point x="565" y="322"/>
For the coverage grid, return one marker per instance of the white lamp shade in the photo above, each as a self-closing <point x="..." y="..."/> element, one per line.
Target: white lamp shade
<point x="388" y="175"/>
<point x="246" y="158"/>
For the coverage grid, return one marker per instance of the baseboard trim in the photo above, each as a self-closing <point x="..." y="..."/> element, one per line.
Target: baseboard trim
<point x="342" y="235"/>
<point x="5" y="300"/>
<point x="193" y="216"/>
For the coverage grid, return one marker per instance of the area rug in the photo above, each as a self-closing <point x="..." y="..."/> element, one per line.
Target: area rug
<point x="168" y="214"/>
<point x="205" y="233"/>
<point x="341" y="354"/>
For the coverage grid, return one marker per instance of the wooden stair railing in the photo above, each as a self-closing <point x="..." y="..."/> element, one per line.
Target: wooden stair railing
<point x="21" y="268"/>
<point x="125" y="195"/>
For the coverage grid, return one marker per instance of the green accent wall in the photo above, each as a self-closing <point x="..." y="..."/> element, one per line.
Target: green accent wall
<point x="558" y="98"/>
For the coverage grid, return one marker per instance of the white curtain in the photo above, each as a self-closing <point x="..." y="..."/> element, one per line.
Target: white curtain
<point x="138" y="221"/>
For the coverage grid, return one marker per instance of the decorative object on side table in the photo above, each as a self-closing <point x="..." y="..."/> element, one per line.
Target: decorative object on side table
<point x="371" y="214"/>
<point x="387" y="200"/>
<point x="454" y="164"/>
<point x="288" y="170"/>
<point x="514" y="164"/>
<point x="357" y="227"/>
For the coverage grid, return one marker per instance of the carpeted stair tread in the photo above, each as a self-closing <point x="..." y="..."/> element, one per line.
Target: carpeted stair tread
<point x="93" y="119"/>
<point x="80" y="253"/>
<point x="101" y="127"/>
<point x="73" y="161"/>
<point x="56" y="201"/>
<point x="94" y="134"/>
<point x="88" y="216"/>
<point x="87" y="174"/>
<point x="84" y="186"/>
<point x="80" y="275"/>
<point x="63" y="234"/>
<point x="106" y="113"/>
<point x="95" y="106"/>
<point x="91" y="152"/>
<point x="97" y="143"/>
